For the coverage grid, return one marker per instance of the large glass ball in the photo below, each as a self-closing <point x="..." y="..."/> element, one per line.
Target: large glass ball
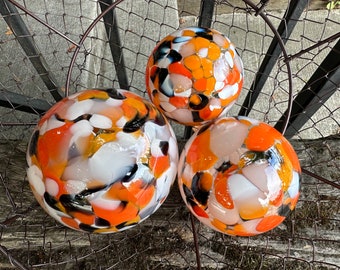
<point x="239" y="176"/>
<point x="102" y="160"/>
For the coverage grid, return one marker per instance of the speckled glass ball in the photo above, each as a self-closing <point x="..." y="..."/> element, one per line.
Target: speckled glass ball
<point x="194" y="75"/>
<point x="102" y="160"/>
<point x="239" y="176"/>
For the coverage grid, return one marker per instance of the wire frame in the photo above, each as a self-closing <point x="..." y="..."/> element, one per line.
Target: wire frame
<point x="291" y="58"/>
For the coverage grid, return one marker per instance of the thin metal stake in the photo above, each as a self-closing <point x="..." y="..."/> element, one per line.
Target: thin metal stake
<point x="194" y="233"/>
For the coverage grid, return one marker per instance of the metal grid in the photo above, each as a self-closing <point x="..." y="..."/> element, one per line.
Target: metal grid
<point x="291" y="57"/>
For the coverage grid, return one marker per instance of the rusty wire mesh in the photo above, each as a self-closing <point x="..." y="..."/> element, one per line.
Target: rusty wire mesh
<point x="70" y="40"/>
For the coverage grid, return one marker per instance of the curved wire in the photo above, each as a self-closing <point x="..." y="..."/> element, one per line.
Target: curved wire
<point x="82" y="40"/>
<point x="259" y="11"/>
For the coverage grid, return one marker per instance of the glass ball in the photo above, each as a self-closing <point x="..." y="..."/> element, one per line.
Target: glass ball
<point x="194" y="75"/>
<point x="239" y="176"/>
<point x="102" y="160"/>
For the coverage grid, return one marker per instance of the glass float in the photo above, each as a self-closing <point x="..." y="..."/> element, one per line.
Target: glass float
<point x="194" y="75"/>
<point x="239" y="176"/>
<point x="102" y="160"/>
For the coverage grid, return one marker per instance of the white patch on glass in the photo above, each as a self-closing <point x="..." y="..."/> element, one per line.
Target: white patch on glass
<point x="219" y="85"/>
<point x="203" y="52"/>
<point x="34" y="175"/>
<point x="100" y="121"/>
<point x="221" y="69"/>
<point x="228" y="91"/>
<point x="229" y="59"/>
<point x="274" y="183"/>
<point x="111" y="162"/>
<point x="49" y="124"/>
<point x="51" y="187"/>
<point x="293" y="189"/>
<point x="79" y="108"/>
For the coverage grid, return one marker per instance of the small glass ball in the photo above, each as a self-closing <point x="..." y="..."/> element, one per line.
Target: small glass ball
<point x="194" y="75"/>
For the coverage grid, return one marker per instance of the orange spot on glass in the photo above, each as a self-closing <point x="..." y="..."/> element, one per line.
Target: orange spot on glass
<point x="178" y="102"/>
<point x="214" y="51"/>
<point x="192" y="62"/>
<point x="199" y="155"/>
<point x="159" y="164"/>
<point x="261" y="137"/>
<point x="200" y="84"/>
<point x="179" y="68"/>
<point x="98" y="94"/>
<point x="199" y="211"/>
<point x="200" y="43"/>
<point x="269" y="222"/>
<point x="222" y="191"/>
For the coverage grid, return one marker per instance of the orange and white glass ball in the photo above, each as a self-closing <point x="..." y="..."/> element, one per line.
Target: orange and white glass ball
<point x="239" y="176"/>
<point x="102" y="160"/>
<point x="194" y="75"/>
